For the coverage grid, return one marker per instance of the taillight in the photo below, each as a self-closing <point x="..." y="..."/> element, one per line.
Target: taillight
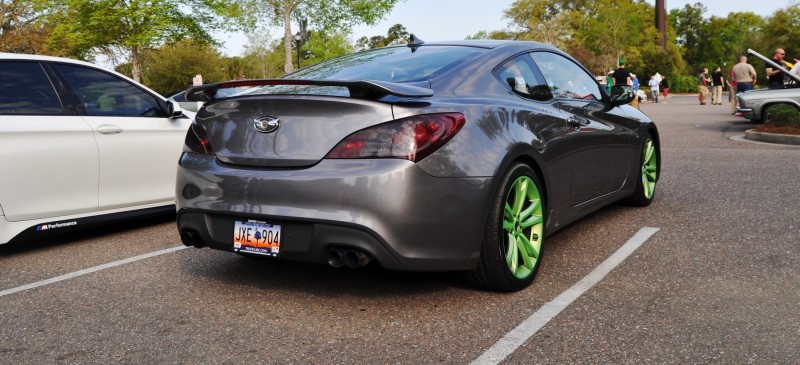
<point x="197" y="140"/>
<point x="412" y="138"/>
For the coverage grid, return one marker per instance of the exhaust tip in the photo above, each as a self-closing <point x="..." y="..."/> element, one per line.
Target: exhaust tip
<point x="335" y="258"/>
<point x="192" y="239"/>
<point x="355" y="259"/>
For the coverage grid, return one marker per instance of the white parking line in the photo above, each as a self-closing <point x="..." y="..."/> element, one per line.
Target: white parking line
<point x="514" y="339"/>
<point x="89" y="270"/>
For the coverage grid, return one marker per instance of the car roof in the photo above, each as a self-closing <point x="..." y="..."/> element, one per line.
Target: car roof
<point x="32" y="57"/>
<point x="5" y="56"/>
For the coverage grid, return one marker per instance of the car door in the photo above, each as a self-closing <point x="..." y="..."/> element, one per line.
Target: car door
<point x="139" y="145"/>
<point x="599" y="143"/>
<point x="48" y="156"/>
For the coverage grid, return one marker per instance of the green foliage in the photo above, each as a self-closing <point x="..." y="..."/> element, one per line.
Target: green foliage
<point x="783" y="115"/>
<point x="682" y="84"/>
<point x="324" y="15"/>
<point x="86" y="27"/>
<point x="172" y="67"/>
<point x="397" y="34"/>
<point x="324" y="45"/>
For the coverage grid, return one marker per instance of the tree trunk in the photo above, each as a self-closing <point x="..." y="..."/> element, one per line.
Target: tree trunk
<point x="287" y="36"/>
<point x="136" y="64"/>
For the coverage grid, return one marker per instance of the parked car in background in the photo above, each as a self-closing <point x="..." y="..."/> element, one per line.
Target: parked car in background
<point x="193" y="106"/>
<point x="757" y="104"/>
<point x="428" y="156"/>
<point x="81" y="145"/>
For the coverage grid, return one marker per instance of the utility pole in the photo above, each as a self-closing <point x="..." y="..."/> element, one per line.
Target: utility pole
<point x="661" y="22"/>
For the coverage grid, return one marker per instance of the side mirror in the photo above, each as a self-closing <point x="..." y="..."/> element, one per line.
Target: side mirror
<point x="622" y="94"/>
<point x="174" y="110"/>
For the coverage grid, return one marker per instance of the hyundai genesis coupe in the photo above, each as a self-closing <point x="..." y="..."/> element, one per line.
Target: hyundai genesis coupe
<point x="425" y="157"/>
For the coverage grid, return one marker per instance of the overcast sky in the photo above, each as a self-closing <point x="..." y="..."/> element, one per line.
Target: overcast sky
<point x="442" y="20"/>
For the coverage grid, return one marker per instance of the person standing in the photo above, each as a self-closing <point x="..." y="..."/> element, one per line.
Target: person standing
<point x="718" y="81"/>
<point x="744" y="75"/>
<point x="654" y="88"/>
<point x="664" y="87"/>
<point x="775" y="75"/>
<point x="623" y="77"/>
<point x="702" y="86"/>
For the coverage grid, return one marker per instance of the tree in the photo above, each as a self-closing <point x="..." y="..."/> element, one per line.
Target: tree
<point x="127" y="27"/>
<point x="325" y="15"/>
<point x="691" y="28"/>
<point x="322" y="46"/>
<point x="397" y="34"/>
<point x="172" y="66"/>
<point x="782" y="30"/>
<point x="22" y="29"/>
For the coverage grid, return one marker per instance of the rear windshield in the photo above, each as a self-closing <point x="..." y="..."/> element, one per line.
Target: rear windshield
<point x="393" y="64"/>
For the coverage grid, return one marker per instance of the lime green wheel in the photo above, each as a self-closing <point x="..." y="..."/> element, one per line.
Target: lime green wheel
<point x="512" y="243"/>
<point x="646" y="183"/>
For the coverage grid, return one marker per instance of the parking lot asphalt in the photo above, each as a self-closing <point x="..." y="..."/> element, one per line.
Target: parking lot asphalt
<point x="717" y="283"/>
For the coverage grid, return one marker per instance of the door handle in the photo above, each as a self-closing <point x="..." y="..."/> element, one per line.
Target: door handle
<point x="109" y="129"/>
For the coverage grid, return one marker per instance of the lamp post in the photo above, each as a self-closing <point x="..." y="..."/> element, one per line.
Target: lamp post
<point x="298" y="41"/>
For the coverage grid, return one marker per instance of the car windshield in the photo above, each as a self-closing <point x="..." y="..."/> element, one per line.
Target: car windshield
<point x="392" y="64"/>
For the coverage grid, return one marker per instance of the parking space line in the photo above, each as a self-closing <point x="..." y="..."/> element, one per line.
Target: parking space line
<point x="525" y="330"/>
<point x="89" y="270"/>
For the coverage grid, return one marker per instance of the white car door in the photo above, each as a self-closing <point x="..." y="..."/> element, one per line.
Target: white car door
<point x="48" y="158"/>
<point x="139" y="145"/>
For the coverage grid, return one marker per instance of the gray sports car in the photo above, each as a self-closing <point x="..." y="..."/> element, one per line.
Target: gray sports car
<point x="428" y="156"/>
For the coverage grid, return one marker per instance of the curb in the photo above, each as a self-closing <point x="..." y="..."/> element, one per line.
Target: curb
<point x="772" y="137"/>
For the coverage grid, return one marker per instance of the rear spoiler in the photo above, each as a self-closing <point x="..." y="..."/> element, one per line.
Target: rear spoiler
<point x="365" y="89"/>
<point x="773" y="64"/>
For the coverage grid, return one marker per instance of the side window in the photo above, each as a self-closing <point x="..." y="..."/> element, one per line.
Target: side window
<point x="565" y="79"/>
<point x="108" y="95"/>
<point x="519" y="75"/>
<point x="26" y="89"/>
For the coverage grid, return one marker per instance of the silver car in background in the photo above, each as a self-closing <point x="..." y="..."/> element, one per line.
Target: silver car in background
<point x="427" y="157"/>
<point x="757" y="104"/>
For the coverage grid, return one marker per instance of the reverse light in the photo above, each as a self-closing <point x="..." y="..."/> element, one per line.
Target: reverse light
<point x="412" y="138"/>
<point x="197" y="140"/>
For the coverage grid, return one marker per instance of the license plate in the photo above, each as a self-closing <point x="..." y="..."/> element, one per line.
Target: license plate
<point x="257" y="237"/>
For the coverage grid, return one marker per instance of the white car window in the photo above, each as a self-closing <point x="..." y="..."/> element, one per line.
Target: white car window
<point x="103" y="94"/>
<point x="37" y="97"/>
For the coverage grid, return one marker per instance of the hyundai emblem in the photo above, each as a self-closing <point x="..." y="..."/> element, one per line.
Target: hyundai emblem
<point x="267" y="124"/>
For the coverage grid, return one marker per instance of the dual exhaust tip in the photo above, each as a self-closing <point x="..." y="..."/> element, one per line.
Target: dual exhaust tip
<point x="337" y="256"/>
<point x="350" y="257"/>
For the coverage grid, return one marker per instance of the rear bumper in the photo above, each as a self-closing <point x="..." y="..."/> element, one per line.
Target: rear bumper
<point x="403" y="217"/>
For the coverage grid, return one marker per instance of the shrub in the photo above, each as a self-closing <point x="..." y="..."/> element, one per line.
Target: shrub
<point x="784" y="115"/>
<point x="683" y="84"/>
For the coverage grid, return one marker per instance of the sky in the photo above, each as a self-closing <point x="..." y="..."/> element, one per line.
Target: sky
<point x="441" y="20"/>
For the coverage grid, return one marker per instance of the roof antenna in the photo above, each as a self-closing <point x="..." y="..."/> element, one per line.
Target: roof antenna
<point x="414" y="42"/>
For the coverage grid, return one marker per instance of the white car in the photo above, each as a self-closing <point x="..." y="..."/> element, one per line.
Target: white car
<point x="81" y="145"/>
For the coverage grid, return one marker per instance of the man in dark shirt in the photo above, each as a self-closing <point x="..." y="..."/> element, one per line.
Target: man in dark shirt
<point x="621" y="75"/>
<point x="775" y="75"/>
<point x="718" y="81"/>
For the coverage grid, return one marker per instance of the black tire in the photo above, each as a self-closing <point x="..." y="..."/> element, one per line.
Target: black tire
<point x="494" y="272"/>
<point x="647" y="180"/>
